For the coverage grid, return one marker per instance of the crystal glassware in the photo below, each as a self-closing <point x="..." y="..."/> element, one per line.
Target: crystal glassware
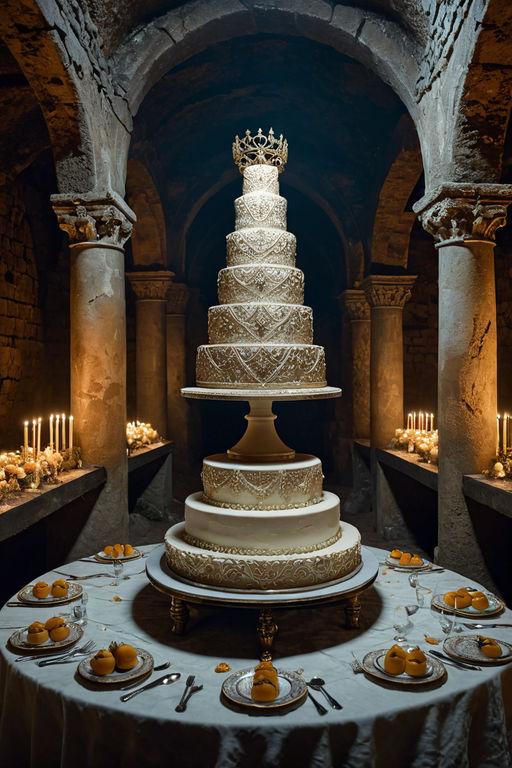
<point x="421" y="595"/>
<point x="401" y="623"/>
<point x="80" y="610"/>
<point x="118" y="569"/>
<point x="445" y="619"/>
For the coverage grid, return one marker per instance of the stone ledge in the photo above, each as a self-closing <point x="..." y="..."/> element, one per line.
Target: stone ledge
<point x="143" y="456"/>
<point x="28" y="508"/>
<point x="496" y="494"/>
<point x="408" y="464"/>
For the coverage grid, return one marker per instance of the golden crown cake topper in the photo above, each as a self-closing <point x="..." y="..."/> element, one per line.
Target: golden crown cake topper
<point x="260" y="150"/>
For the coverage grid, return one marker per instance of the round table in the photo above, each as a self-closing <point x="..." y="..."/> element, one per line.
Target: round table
<point x="49" y="717"/>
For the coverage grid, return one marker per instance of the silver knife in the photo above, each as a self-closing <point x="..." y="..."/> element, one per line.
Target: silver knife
<point x="453" y="662"/>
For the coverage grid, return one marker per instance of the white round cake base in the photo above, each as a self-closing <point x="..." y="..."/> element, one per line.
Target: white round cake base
<point x="312" y="393"/>
<point x="165" y="580"/>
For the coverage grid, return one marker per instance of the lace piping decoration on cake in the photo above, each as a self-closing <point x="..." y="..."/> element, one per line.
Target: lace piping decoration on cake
<point x="265" y="574"/>
<point x="286" y="483"/>
<point x="261" y="283"/>
<point x="200" y="544"/>
<point x="285" y="323"/>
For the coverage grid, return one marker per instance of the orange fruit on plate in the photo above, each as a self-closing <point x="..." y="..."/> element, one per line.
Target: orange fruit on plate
<point x="405" y="559"/>
<point x="126" y="657"/>
<point x="108" y="550"/>
<point x="489" y="646"/>
<point x="394" y="660"/>
<point x="479" y="601"/>
<point x="37" y="634"/>
<point x="416" y="560"/>
<point x="396" y="553"/>
<point x="128" y="550"/>
<point x="416" y="663"/>
<point x="103" y="663"/>
<point x="41" y="589"/>
<point x="60" y="588"/>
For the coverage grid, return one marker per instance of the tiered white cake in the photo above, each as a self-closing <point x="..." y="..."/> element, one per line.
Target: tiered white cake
<point x="261" y="524"/>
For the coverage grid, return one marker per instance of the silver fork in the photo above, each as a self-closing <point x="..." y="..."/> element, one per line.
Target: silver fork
<point x="69" y="657"/>
<point x="189" y="683"/>
<point x="82" y="648"/>
<point x="194" y="689"/>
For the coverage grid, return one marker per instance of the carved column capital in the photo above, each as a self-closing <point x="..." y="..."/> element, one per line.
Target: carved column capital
<point x="151" y="286"/>
<point x="388" y="290"/>
<point x="356" y="304"/>
<point x="90" y="219"/>
<point x="457" y="213"/>
<point x="177" y="299"/>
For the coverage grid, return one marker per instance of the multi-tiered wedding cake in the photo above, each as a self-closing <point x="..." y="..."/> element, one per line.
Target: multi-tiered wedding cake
<point x="262" y="520"/>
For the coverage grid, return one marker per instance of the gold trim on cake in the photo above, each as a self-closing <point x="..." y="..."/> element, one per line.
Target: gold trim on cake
<point x="201" y="544"/>
<point x="260" y="246"/>
<point x="271" y="323"/>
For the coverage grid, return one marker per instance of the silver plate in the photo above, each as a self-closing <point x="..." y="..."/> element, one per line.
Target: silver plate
<point x="18" y="640"/>
<point x="395" y="562"/>
<point x="144" y="665"/>
<point x="495" y="606"/>
<point x="465" y="648"/>
<point x="292" y="690"/>
<point x="26" y="596"/>
<point x="101" y="557"/>
<point x="379" y="664"/>
<point x="402" y="681"/>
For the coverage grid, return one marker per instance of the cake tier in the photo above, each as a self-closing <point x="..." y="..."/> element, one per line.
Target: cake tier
<point x="262" y="532"/>
<point x="260" y="246"/>
<point x="257" y="366"/>
<point x="260" y="209"/>
<point x="261" y="178"/>
<point x="263" y="571"/>
<point x="286" y="485"/>
<point x="261" y="283"/>
<point x="245" y="323"/>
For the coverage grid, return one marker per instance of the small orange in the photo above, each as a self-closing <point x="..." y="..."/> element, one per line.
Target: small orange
<point x="41" y="589"/>
<point x="60" y="588"/>
<point x="405" y="559"/>
<point x="103" y="663"/>
<point x="126" y="657"/>
<point x="394" y="660"/>
<point x="37" y="634"/>
<point x="55" y="621"/>
<point x="108" y="550"/>
<point x="416" y="560"/>
<point x="489" y="646"/>
<point x="415" y="663"/>
<point x="479" y="601"/>
<point x="128" y="550"/>
<point x="396" y="553"/>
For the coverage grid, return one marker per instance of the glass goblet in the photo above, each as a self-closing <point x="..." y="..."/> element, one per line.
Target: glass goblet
<point x="80" y="610"/>
<point x="401" y="623"/>
<point x="445" y="619"/>
<point x="118" y="569"/>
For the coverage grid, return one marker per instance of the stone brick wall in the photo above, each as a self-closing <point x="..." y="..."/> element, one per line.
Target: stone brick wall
<point x="420" y="326"/>
<point x="34" y="306"/>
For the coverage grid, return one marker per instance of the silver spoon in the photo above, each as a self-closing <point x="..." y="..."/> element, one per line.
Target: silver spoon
<point x="317" y="684"/>
<point x="165" y="680"/>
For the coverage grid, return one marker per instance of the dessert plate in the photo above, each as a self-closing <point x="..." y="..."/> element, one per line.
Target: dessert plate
<point x="435" y="671"/>
<point x="495" y="606"/>
<point x="292" y="690"/>
<point x="395" y="562"/>
<point x="26" y="596"/>
<point x="19" y="642"/>
<point x="465" y="648"/>
<point x="379" y="664"/>
<point x="144" y="665"/>
<point x="103" y="558"/>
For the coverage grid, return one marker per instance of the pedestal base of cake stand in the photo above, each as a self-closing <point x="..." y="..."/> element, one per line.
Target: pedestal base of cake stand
<point x="260" y="442"/>
<point x="346" y="592"/>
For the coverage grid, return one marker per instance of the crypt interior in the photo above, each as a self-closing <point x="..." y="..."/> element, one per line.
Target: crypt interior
<point x="116" y="195"/>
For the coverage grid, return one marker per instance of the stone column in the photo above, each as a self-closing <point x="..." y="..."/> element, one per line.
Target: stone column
<point x="463" y="220"/>
<point x="97" y="229"/>
<point x="150" y="368"/>
<point x="177" y="424"/>
<point x="358" y="311"/>
<point x="386" y="295"/>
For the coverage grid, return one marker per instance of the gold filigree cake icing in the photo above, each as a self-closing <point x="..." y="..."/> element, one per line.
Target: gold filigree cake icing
<point x="260" y="246"/>
<point x="261" y="283"/>
<point x="243" y="323"/>
<point x="260" y="209"/>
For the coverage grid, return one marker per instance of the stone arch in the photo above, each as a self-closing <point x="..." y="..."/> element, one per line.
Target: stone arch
<point x="393" y="222"/>
<point x="58" y="49"/>
<point x="148" y="239"/>
<point x="375" y="41"/>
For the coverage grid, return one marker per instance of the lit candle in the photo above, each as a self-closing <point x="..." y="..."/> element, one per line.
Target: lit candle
<point x="63" y="431"/>
<point x="34" y="422"/>
<point x="498" y="434"/>
<point x="414" y="420"/>
<point x="409" y="421"/>
<point x="51" y="432"/>
<point x="431" y="422"/>
<point x="422" y="422"/>
<point x="71" y="433"/>
<point x="504" y="426"/>
<point x="38" y="436"/>
<point x="25" y="439"/>
<point x="57" y="422"/>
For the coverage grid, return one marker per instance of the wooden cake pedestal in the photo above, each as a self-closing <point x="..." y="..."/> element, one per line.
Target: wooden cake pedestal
<point x="182" y="592"/>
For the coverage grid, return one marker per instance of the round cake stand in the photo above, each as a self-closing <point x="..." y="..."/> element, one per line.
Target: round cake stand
<point x="260" y="441"/>
<point x="181" y="592"/>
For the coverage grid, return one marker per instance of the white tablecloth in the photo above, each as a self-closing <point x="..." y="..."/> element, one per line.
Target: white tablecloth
<point x="50" y="718"/>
